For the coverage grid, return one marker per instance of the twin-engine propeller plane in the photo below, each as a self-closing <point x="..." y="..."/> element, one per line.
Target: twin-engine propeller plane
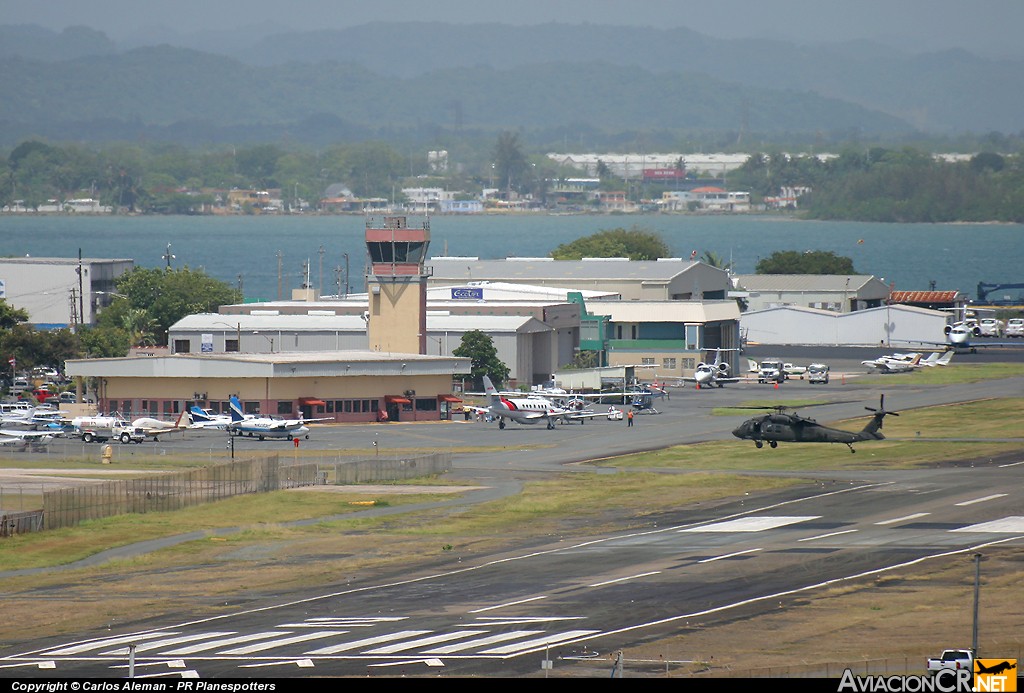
<point x="782" y="427"/>
<point x="528" y="410"/>
<point x="265" y="426"/>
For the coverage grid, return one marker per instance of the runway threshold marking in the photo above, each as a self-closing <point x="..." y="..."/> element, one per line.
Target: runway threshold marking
<point x="752" y="524"/>
<point x="366" y="642"/>
<point x="1012" y="524"/>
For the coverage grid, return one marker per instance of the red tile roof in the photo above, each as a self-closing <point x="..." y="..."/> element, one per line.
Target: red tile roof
<point x="924" y="296"/>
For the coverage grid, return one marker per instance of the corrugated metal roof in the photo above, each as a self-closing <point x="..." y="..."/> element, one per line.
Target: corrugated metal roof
<point x="541" y="268"/>
<point x="666" y="311"/>
<point x="804" y="282"/>
<point x="216" y="322"/>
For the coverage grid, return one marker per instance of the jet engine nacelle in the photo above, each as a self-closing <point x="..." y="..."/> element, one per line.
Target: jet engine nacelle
<point x="723" y="369"/>
<point x="947" y="329"/>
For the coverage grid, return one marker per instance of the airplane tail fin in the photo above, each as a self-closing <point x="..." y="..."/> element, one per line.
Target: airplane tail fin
<point x="492" y="393"/>
<point x="197" y="415"/>
<point x="873" y="431"/>
<point x="236" y="410"/>
<point x="946" y="357"/>
<point x="183" y="419"/>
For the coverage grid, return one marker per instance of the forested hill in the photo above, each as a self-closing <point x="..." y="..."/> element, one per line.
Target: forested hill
<point x="175" y="94"/>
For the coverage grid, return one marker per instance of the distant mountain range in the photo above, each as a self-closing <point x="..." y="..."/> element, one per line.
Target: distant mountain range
<point x="560" y="82"/>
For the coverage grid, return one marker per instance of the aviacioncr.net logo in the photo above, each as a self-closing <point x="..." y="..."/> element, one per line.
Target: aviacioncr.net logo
<point x="943" y="681"/>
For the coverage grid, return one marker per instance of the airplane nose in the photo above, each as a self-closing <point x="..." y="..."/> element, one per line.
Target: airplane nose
<point x="738" y="432"/>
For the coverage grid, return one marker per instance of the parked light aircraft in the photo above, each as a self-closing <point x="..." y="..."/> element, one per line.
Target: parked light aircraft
<point x="9" y="437"/>
<point x="904" y="363"/>
<point x="208" y="418"/>
<point x="793" y="428"/>
<point x="528" y="410"/>
<point x="265" y="426"/>
<point x="710" y="374"/>
<point x="155" y="427"/>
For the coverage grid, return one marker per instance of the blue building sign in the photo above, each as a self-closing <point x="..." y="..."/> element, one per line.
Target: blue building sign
<point x="472" y="293"/>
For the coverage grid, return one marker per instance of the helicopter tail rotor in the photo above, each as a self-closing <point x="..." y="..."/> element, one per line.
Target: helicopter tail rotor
<point x="874" y="427"/>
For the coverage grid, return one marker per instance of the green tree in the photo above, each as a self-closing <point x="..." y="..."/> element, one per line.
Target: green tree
<point x="11" y="316"/>
<point x="715" y="260"/>
<point x="635" y="243"/>
<point x="479" y="348"/>
<point x="510" y="164"/>
<point x="164" y="296"/>
<point x="807" y="262"/>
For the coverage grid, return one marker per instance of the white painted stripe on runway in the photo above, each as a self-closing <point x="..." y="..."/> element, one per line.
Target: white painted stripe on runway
<point x="302" y="637"/>
<point x="905" y="518"/>
<point x="540" y="642"/>
<point x="482" y="642"/>
<point x="157" y="644"/>
<point x="981" y="500"/>
<point x="1013" y="524"/>
<point x="365" y="642"/>
<point x="343" y="621"/>
<point x="523" y="620"/>
<point x="728" y="555"/>
<point x="107" y="642"/>
<point x="214" y="644"/>
<point x="1009" y="464"/>
<point x="625" y="579"/>
<point x="502" y="606"/>
<point x="826" y="536"/>
<point x="752" y="524"/>
<point x="420" y="642"/>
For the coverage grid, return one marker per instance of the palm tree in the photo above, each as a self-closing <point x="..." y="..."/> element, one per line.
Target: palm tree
<point x="139" y="326"/>
<point x="715" y="260"/>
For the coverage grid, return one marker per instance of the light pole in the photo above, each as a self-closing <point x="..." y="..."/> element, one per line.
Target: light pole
<point x="238" y="335"/>
<point x="269" y="339"/>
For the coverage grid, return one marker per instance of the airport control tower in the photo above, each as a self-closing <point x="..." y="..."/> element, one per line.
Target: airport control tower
<point x="397" y="283"/>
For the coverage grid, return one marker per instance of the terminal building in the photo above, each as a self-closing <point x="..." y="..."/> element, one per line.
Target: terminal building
<point x="391" y="379"/>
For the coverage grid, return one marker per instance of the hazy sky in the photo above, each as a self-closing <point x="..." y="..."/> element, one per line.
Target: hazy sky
<point x="987" y="27"/>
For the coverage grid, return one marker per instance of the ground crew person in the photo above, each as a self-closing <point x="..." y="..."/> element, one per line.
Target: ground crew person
<point x="629" y="418"/>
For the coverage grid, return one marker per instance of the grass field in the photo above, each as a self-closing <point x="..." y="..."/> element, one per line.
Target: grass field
<point x="257" y="559"/>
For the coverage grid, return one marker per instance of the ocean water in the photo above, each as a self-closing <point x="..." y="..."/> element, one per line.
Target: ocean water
<point x="262" y="254"/>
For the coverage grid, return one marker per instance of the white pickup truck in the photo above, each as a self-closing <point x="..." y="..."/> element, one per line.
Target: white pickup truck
<point x="951" y="659"/>
<point x="771" y="371"/>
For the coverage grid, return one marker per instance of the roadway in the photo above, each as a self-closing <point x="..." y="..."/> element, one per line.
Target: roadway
<point x="501" y="615"/>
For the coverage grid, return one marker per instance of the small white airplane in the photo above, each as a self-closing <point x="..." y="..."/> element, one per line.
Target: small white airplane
<point x="208" y="418"/>
<point x="895" y="363"/>
<point x="9" y="437"/>
<point x="712" y="374"/>
<point x="154" y="428"/>
<point x="528" y="410"/>
<point x="262" y="427"/>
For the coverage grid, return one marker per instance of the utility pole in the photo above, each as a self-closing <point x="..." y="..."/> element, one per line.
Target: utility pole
<point x="320" y="285"/>
<point x="977" y="589"/>
<point x="81" y="287"/>
<point x="279" y="256"/>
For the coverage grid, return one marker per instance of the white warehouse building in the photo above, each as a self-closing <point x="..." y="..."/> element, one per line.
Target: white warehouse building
<point x="887" y="325"/>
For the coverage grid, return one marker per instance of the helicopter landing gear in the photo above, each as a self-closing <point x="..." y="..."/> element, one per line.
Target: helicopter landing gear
<point x="758" y="444"/>
<point x="773" y="443"/>
<point x="851" y="447"/>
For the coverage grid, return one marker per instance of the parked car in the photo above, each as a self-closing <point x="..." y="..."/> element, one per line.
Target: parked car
<point x="817" y="373"/>
<point x="991" y="327"/>
<point x="1015" y="327"/>
<point x="68" y="398"/>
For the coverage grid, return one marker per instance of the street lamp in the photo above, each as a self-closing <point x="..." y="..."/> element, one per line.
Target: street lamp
<point x="269" y="339"/>
<point x="238" y="335"/>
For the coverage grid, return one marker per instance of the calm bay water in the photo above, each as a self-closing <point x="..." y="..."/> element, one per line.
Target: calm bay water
<point x="245" y="250"/>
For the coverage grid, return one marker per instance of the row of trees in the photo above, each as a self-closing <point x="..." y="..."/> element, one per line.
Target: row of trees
<point x="890" y="185"/>
<point x="893" y="185"/>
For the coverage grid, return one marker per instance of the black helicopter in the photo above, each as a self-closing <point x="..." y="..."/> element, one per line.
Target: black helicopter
<point x="792" y="428"/>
